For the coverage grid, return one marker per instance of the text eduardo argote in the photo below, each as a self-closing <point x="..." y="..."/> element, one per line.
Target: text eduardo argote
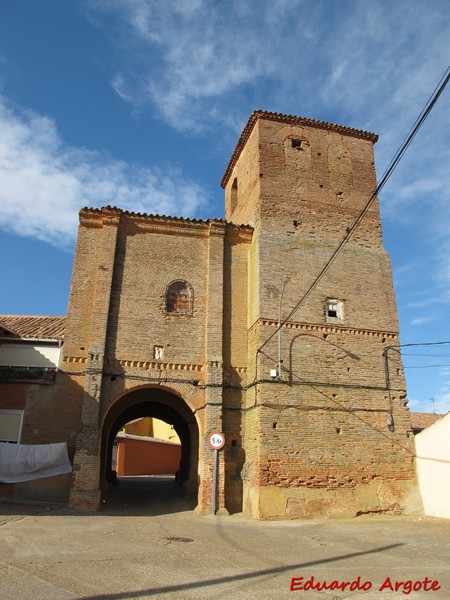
<point x="359" y="584"/>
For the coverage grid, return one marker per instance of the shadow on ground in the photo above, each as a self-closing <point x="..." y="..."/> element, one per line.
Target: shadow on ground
<point x="145" y="495"/>
<point x="132" y="496"/>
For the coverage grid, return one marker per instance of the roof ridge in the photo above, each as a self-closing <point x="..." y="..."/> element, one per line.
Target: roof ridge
<point x="129" y="213"/>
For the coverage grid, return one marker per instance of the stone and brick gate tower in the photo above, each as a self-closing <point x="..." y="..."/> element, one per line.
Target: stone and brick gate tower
<point x="178" y="318"/>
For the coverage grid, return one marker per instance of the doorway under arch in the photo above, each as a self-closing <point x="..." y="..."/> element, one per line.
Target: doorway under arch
<point x="162" y="404"/>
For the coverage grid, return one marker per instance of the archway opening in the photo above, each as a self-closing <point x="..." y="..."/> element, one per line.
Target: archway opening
<point x="125" y="484"/>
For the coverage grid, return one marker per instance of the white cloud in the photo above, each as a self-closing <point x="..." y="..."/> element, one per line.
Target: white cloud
<point x="438" y="403"/>
<point x="423" y="320"/>
<point x="202" y="62"/>
<point x="427" y="302"/>
<point x="442" y="402"/>
<point x="43" y="182"/>
<point x="200" y="55"/>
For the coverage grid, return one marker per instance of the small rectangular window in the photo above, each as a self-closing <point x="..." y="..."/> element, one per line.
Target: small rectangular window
<point x="334" y="309"/>
<point x="296" y="143"/>
<point x="11" y="425"/>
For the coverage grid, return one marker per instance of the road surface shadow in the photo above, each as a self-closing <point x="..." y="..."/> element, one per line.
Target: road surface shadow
<point x="146" y="495"/>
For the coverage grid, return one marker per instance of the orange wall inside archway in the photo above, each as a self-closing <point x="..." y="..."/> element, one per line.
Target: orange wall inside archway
<point x="146" y="456"/>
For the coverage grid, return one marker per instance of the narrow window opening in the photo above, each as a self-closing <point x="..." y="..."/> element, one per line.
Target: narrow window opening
<point x="334" y="309"/>
<point x="234" y="194"/>
<point x="296" y="143"/>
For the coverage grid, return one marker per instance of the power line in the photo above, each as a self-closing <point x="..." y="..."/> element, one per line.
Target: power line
<point x="426" y="355"/>
<point x="340" y="406"/>
<point x="423" y="355"/>
<point x="425" y="366"/>
<point x="390" y="169"/>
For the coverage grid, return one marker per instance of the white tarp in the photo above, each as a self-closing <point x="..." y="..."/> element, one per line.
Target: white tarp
<point x="19" y="462"/>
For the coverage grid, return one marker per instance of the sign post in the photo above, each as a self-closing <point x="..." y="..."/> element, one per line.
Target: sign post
<point x="216" y="441"/>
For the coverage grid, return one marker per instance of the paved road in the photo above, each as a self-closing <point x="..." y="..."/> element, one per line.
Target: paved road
<point x="146" y="542"/>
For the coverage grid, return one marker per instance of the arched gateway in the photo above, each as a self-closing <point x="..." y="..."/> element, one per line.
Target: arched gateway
<point x="175" y="405"/>
<point x="160" y="404"/>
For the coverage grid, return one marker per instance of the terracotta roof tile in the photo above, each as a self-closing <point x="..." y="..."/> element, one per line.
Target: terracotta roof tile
<point x="116" y="209"/>
<point x="422" y="420"/>
<point x="30" y="326"/>
<point x="97" y="213"/>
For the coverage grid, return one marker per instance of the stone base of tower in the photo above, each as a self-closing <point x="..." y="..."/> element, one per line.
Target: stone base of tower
<point x="377" y="497"/>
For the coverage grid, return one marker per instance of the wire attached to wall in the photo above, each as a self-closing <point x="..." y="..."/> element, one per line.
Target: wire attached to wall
<point x="387" y="174"/>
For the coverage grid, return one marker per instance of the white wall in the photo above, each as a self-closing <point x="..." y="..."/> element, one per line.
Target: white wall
<point x="433" y="467"/>
<point x="21" y="355"/>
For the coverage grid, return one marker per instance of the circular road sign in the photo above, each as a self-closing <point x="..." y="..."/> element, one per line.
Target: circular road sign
<point x="216" y="440"/>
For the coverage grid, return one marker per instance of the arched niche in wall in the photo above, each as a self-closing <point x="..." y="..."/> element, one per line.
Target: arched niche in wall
<point x="179" y="298"/>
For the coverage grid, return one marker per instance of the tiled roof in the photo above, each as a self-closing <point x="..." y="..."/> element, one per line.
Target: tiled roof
<point x="29" y="326"/>
<point x="420" y="420"/>
<point x="116" y="209"/>
<point x="291" y="120"/>
<point x="163" y="219"/>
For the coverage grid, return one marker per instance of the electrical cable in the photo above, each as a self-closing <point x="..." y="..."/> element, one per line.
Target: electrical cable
<point x="344" y="408"/>
<point x="425" y="366"/>
<point x="387" y="174"/>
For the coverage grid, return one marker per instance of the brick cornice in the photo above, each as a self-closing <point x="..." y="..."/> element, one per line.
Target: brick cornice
<point x="167" y="225"/>
<point x="239" y="233"/>
<point x="325" y="328"/>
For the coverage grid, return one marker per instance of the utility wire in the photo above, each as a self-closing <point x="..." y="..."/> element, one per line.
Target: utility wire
<point x="351" y="411"/>
<point x="340" y="406"/>
<point x="425" y="366"/>
<point x="392" y="165"/>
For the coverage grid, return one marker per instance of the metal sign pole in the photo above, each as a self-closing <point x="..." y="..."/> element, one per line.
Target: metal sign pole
<point x="214" y="490"/>
<point x="216" y="441"/>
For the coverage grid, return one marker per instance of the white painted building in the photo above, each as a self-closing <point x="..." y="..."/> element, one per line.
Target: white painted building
<point x="433" y="467"/>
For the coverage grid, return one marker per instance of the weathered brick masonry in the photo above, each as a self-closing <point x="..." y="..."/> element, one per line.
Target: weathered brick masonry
<point x="178" y="318"/>
<point x="328" y="437"/>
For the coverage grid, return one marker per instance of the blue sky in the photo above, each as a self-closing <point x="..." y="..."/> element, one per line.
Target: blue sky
<point x="139" y="104"/>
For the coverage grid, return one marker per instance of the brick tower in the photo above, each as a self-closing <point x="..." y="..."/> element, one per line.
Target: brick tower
<point x="178" y="319"/>
<point x="326" y="430"/>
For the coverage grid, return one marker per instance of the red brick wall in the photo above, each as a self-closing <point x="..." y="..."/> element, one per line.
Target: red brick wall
<point x="319" y="442"/>
<point x="325" y="427"/>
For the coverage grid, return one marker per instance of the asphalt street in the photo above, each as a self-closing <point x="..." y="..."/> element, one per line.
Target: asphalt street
<point x="147" y="542"/>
